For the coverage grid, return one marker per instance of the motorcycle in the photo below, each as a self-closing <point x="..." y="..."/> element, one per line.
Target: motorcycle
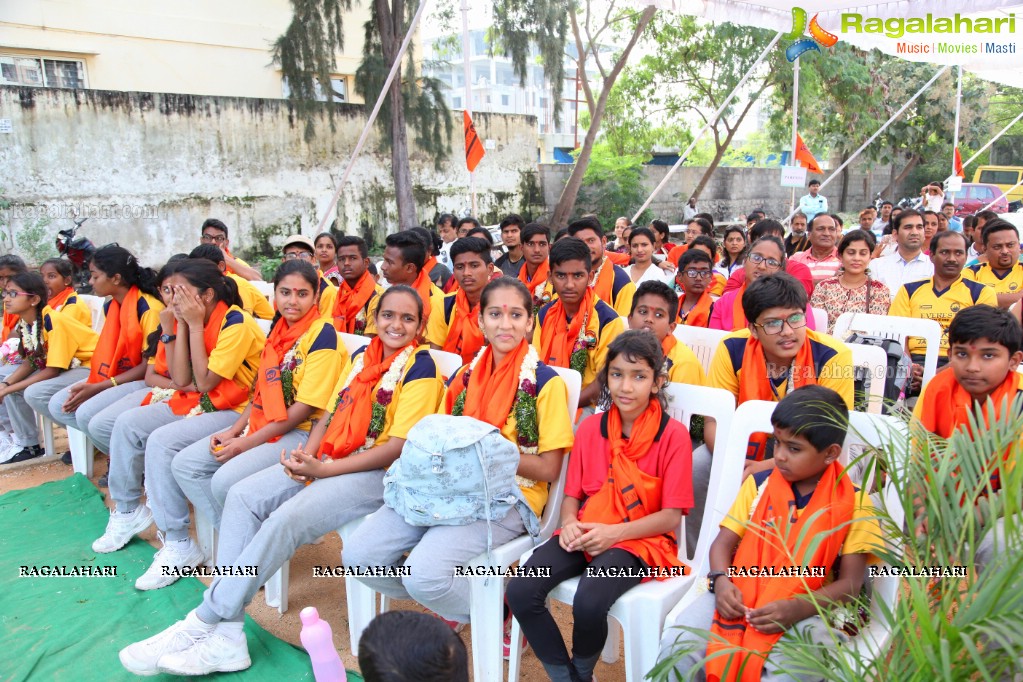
<point x="79" y="251"/>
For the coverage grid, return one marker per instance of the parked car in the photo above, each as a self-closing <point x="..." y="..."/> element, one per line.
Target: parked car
<point x="974" y="196"/>
<point x="1006" y="178"/>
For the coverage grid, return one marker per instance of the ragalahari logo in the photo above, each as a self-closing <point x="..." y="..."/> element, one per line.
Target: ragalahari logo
<point x="819" y="37"/>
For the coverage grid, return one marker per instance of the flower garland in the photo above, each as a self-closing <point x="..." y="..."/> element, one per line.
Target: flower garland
<point x="524" y="407"/>
<point x="596" y="275"/>
<point x="382" y="398"/>
<point x="162" y="395"/>
<point x="540" y="295"/>
<point x="360" y="322"/>
<point x="34" y="349"/>
<point x="584" y="343"/>
<point x="289" y="365"/>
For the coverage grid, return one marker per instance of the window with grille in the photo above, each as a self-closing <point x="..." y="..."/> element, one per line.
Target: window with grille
<point x="41" y="72"/>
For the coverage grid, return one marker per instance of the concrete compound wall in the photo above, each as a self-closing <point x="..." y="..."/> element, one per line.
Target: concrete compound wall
<point x="732" y="191"/>
<point x="148" y="168"/>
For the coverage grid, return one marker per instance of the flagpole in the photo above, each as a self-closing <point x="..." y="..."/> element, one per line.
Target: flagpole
<point x="468" y="93"/>
<point x="795" y="126"/>
<point x="955" y="134"/>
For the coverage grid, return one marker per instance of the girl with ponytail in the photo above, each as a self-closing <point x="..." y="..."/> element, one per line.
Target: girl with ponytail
<point x="58" y="275"/>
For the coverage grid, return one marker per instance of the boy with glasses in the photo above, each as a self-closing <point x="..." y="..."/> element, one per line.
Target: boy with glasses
<point x="693" y="279"/>
<point x="299" y="247"/>
<point x="215" y="232"/>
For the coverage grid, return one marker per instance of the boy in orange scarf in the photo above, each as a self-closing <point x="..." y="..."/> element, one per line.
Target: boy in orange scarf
<point x="404" y="259"/>
<point x="535" y="272"/>
<point x="831" y="526"/>
<point x="985" y="349"/>
<point x="693" y="282"/>
<point x="470" y="258"/>
<point x="654" y="309"/>
<point x="358" y="288"/>
<point x="609" y="281"/>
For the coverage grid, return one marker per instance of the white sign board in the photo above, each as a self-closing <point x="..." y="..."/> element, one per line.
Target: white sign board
<point x="954" y="184"/>
<point x="5" y="126"/>
<point x="793" y="176"/>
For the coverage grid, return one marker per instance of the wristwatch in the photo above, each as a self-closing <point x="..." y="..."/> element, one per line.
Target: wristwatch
<point x="167" y="338"/>
<point x="712" y="578"/>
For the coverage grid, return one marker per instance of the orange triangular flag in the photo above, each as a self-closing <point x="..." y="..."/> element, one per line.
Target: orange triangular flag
<point x="805" y="157"/>
<point x="473" y="146"/>
<point x="958" y="163"/>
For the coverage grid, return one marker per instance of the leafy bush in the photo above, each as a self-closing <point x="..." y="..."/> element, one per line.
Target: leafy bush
<point x="613" y="186"/>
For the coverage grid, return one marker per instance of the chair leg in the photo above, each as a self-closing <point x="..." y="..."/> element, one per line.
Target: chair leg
<point x="277" y="588"/>
<point x="207" y="537"/>
<point x="515" y="652"/>
<point x="81" y="451"/>
<point x="361" y="610"/>
<point x="485" y="611"/>
<point x="613" y="641"/>
<point x="46" y="427"/>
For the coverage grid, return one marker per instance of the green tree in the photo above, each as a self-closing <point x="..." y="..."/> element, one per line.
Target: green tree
<point x="613" y="183"/>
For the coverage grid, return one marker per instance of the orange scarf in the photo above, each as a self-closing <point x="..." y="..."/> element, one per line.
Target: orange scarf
<point x="825" y="518"/>
<point x="490" y="391"/>
<point x="668" y="344"/>
<point x="754" y="384"/>
<point x="629" y="493"/>
<point x="268" y="400"/>
<point x="349" y="424"/>
<point x="10" y="320"/>
<point x="603" y="287"/>
<point x="543" y="272"/>
<point x="738" y="314"/>
<point x="947" y="408"/>
<point x="699" y="314"/>
<point x="351" y="300"/>
<point x="60" y="299"/>
<point x="558" y="335"/>
<point x="424" y="286"/>
<point x="120" y="343"/>
<point x="225" y="396"/>
<point x="464" y="335"/>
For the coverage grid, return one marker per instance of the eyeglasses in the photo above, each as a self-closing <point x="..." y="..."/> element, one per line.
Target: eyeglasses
<point x="213" y="238"/>
<point x="757" y="259"/>
<point x="773" y="327"/>
<point x="13" y="294"/>
<point x="698" y="274"/>
<point x="303" y="255"/>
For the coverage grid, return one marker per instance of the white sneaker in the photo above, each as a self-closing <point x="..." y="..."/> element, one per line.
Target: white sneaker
<point x="141" y="657"/>
<point x="121" y="528"/>
<point x="7" y="452"/>
<point x="213" y="653"/>
<point x="168" y="564"/>
<point x="6" y="439"/>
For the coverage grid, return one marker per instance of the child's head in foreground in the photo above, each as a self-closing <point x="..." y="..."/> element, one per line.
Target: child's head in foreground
<point x="398" y="646"/>
<point x="984" y="346"/>
<point x="810" y="424"/>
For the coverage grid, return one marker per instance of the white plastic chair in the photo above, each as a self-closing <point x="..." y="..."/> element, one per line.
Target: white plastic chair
<point x="486" y="594"/>
<point x="447" y="363"/>
<point x="894" y="327"/>
<point x="264" y="325"/>
<point x="95" y="304"/>
<point x="865" y="430"/>
<point x="875" y="360"/>
<point x="702" y="341"/>
<point x="207" y="537"/>
<point x="78" y="441"/>
<point x="820" y="319"/>
<point x="353" y="342"/>
<point x="265" y="288"/>
<point x="641" y="610"/>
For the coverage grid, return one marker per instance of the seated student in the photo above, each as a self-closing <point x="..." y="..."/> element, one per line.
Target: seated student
<point x="488" y="389"/>
<point x="430" y="651"/>
<point x="710" y="247"/>
<point x="215" y="232"/>
<point x="610" y="282"/>
<point x="696" y="226"/>
<point x="326" y="257"/>
<point x="1003" y="272"/>
<point x="201" y="373"/>
<point x="940" y="297"/>
<point x="535" y="271"/>
<point x="460" y="316"/>
<point x="986" y="345"/>
<point x="253" y="301"/>
<point x="333" y="478"/>
<point x="51" y="343"/>
<point x="302" y="248"/>
<point x="357" y="290"/>
<point x="117" y="368"/>
<point x="10" y="265"/>
<point x="577" y="326"/>
<point x="693" y="281"/>
<point x="627" y="487"/>
<point x="770" y="228"/>
<point x="831" y="526"/>
<point x="643" y="268"/>
<point x="58" y="277"/>
<point x="776" y="353"/>
<point x="654" y="308"/>
<point x="513" y="258"/>
<point x="404" y="255"/>
<point x="766" y="257"/>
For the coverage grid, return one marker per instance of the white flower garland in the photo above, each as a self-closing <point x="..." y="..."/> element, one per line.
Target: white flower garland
<point x="527" y="372"/>
<point x="388" y="382"/>
<point x="162" y="395"/>
<point x="596" y="275"/>
<point x="29" y="338"/>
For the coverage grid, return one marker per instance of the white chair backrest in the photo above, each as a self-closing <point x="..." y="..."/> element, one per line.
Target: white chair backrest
<point x="894" y="327"/>
<point x="447" y="363"/>
<point x="265" y="288"/>
<point x="685" y="400"/>
<point x="551" y="517"/>
<point x="702" y="341"/>
<point x="95" y="304"/>
<point x="820" y="319"/>
<point x="625" y="321"/>
<point x="264" y="325"/>
<point x="875" y="360"/>
<point x="353" y="342"/>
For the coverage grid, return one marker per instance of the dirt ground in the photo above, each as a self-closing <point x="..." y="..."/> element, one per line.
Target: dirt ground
<point x="327" y="595"/>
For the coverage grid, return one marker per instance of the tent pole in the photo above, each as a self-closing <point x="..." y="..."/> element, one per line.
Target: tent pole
<point x="1004" y="194"/>
<point x="795" y="127"/>
<point x="395" y="67"/>
<point x="468" y="92"/>
<point x="955" y="136"/>
<point x="834" y="173"/>
<point x="706" y="127"/>
<point x="989" y="142"/>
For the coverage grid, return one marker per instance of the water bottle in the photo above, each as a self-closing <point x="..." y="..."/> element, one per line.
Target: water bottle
<point x="318" y="641"/>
